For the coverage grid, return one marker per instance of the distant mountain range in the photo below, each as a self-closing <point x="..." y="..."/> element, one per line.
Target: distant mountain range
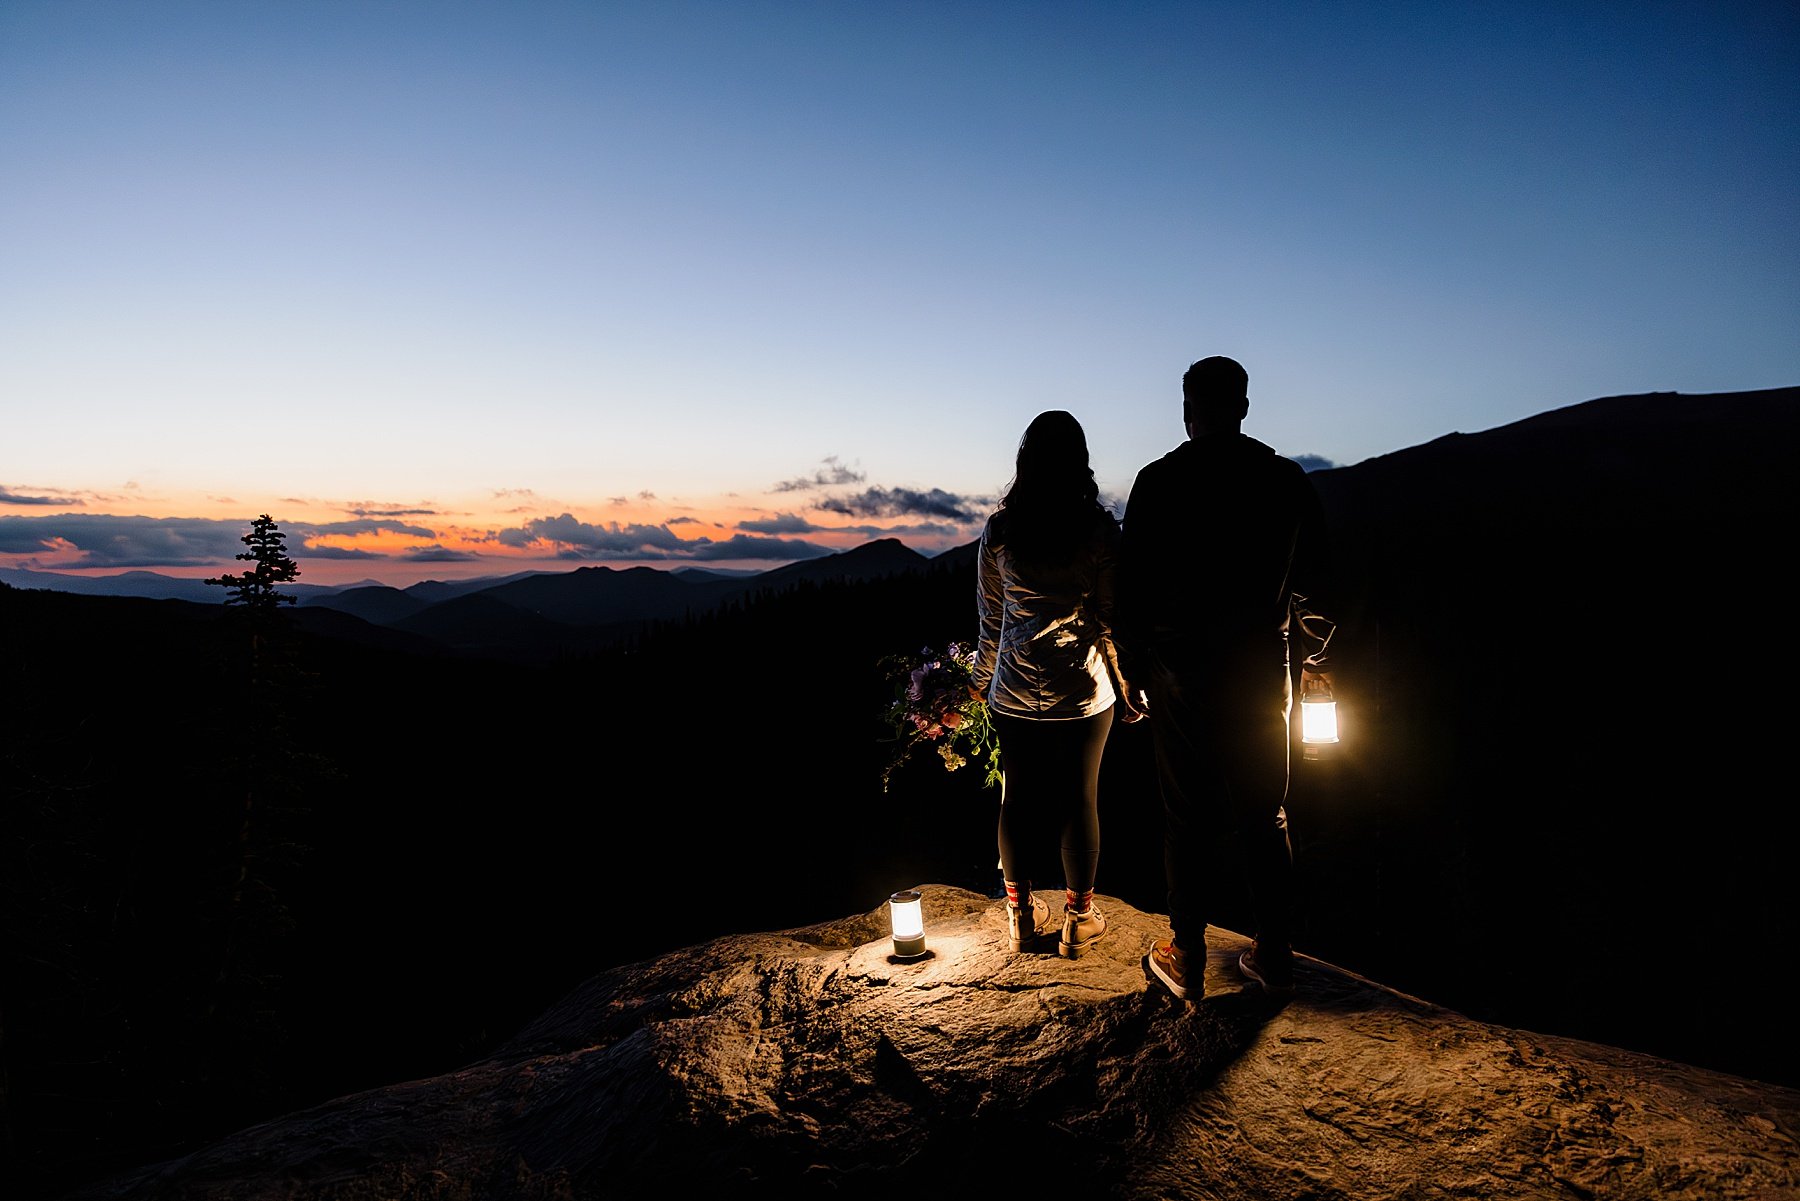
<point x="1408" y="525"/>
<point x="153" y="585"/>
<point x="528" y="615"/>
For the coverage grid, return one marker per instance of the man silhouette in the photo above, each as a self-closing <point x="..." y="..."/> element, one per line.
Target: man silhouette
<point x="1223" y="547"/>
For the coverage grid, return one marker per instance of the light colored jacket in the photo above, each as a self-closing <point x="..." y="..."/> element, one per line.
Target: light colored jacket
<point x="1045" y="648"/>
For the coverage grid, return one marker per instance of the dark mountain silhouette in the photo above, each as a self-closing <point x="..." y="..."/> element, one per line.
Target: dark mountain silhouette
<point x="375" y="603"/>
<point x="433" y="591"/>
<point x="711" y="573"/>
<point x="604" y="596"/>
<point x="351" y="630"/>
<point x="591" y="596"/>
<point x="555" y="614"/>
<point x="959" y="557"/>
<point x="568" y="612"/>
<point x="484" y="624"/>
<point x="150" y="585"/>
<point x="1552" y="685"/>
<point x="1552" y="809"/>
<point x="154" y="585"/>
<point x="875" y="560"/>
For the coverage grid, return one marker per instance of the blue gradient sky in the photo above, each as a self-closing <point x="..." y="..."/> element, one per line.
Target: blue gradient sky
<point x="484" y="285"/>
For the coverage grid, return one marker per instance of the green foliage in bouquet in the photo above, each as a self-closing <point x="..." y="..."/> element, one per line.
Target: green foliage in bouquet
<point x="934" y="709"/>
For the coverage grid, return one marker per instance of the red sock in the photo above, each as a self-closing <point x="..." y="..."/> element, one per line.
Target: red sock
<point x="1015" y="891"/>
<point x="1079" y="902"/>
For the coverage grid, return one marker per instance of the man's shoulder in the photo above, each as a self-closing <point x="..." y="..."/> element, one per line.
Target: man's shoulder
<point x="1237" y="454"/>
<point x="1269" y="459"/>
<point x="1171" y="460"/>
<point x="1198" y="452"/>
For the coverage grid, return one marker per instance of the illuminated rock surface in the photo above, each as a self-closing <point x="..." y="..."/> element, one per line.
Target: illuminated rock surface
<point x="807" y="1063"/>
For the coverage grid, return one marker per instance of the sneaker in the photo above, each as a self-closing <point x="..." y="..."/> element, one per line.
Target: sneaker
<point x="1168" y="963"/>
<point x="1025" y="924"/>
<point x="1272" y="969"/>
<point x="1080" y="931"/>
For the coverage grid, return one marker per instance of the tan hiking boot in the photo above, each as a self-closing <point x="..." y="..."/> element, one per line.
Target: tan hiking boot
<point x="1169" y="964"/>
<point x="1080" y="931"/>
<point x="1025" y="923"/>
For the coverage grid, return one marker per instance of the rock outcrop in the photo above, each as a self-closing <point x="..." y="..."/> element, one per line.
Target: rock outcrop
<point x="810" y="1062"/>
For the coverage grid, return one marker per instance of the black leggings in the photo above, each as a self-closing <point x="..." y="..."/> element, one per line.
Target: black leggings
<point x="1049" y="804"/>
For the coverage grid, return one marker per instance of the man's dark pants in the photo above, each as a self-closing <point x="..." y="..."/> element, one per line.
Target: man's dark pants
<point x="1220" y="726"/>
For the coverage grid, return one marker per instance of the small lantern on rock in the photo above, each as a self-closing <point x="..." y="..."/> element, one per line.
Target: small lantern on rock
<point x="908" y="916"/>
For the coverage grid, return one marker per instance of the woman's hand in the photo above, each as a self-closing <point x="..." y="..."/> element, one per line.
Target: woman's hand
<point x="1133" y="706"/>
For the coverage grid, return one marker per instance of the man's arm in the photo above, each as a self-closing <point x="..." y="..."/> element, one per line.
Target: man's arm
<point x="1315" y="628"/>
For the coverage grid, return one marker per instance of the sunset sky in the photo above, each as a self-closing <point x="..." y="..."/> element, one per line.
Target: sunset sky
<point x="456" y="289"/>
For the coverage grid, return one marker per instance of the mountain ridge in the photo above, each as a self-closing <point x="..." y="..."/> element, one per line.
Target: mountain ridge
<point x="628" y="599"/>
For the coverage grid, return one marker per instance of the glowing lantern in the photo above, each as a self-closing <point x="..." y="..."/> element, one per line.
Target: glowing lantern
<point x="1318" y="718"/>
<point x="909" y="924"/>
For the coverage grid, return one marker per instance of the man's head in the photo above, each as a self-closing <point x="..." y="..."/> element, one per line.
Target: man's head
<point x="1215" y="394"/>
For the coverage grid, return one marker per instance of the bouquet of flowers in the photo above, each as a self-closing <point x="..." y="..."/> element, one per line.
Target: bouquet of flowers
<point x="933" y="708"/>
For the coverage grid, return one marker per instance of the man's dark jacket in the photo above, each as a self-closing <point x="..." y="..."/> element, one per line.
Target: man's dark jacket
<point x="1224" y="557"/>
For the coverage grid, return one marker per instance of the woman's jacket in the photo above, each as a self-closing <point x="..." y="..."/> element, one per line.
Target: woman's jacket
<point x="1045" y="648"/>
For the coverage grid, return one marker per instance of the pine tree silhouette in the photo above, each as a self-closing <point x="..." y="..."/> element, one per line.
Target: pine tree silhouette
<point x="256" y="589"/>
<point x="269" y="777"/>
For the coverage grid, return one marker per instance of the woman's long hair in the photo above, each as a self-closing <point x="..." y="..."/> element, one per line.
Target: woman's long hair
<point x="1046" y="513"/>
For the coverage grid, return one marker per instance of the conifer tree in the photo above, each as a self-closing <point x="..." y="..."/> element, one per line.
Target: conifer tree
<point x="266" y="777"/>
<point x="256" y="589"/>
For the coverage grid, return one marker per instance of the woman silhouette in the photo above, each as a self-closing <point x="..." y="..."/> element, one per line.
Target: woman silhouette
<point x="1049" y="673"/>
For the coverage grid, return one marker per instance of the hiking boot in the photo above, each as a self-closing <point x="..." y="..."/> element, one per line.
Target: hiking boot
<point x="1080" y="931"/>
<point x="1168" y="963"/>
<point x="1025" y="923"/>
<point x="1271" y="967"/>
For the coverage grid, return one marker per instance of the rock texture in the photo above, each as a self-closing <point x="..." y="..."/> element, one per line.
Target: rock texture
<point x="809" y="1063"/>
